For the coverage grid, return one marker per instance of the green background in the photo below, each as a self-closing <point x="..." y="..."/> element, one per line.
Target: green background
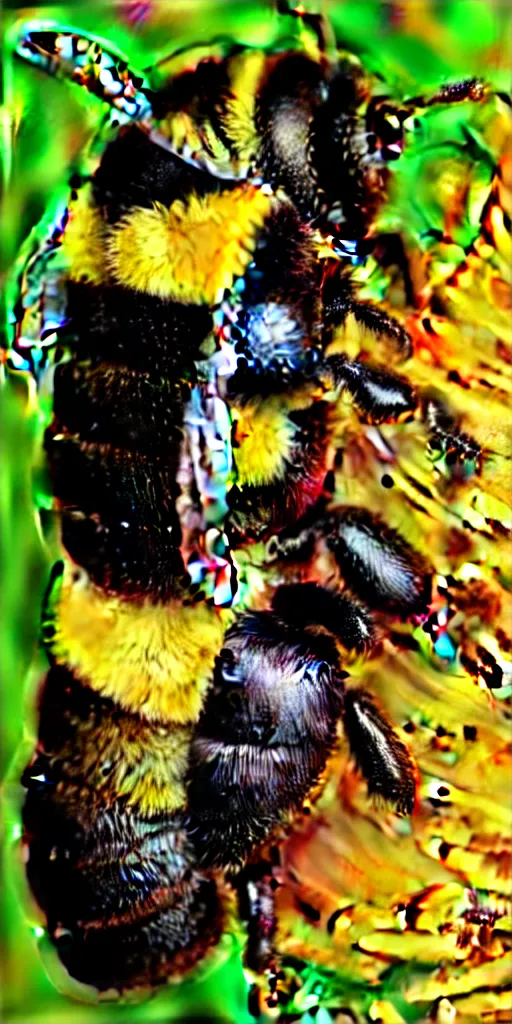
<point x="45" y="123"/>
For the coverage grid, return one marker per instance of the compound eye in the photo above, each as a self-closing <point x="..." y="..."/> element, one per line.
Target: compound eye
<point x="227" y="670"/>
<point x="231" y="674"/>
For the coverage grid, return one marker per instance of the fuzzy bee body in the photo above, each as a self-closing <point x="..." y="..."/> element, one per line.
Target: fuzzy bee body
<point x="119" y="888"/>
<point x="183" y="720"/>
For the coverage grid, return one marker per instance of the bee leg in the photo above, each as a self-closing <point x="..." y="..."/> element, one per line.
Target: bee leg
<point x="381" y="567"/>
<point x="461" y="454"/>
<point x="379" y="753"/>
<point x="378" y="395"/>
<point x="379" y="323"/>
<point x="339" y="303"/>
<point x="310" y="604"/>
<point x="255" y="888"/>
<point x="257" y="908"/>
<point x="296" y="543"/>
<point x="472" y="89"/>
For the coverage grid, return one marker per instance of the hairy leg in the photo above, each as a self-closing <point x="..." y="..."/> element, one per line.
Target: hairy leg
<point x="378" y="565"/>
<point x="379" y="753"/>
<point x="378" y="396"/>
<point x="256" y="888"/>
<point x="339" y="302"/>
<point x="310" y="604"/>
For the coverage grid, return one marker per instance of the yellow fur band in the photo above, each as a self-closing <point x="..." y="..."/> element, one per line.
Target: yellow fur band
<point x="192" y="251"/>
<point x="155" y="660"/>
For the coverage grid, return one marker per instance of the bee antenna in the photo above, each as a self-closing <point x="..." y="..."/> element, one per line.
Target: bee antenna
<point x="472" y="89"/>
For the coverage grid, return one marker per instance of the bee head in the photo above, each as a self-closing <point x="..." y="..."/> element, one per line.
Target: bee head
<point x="385" y="128"/>
<point x="314" y="138"/>
<point x="353" y="136"/>
<point x="292" y="674"/>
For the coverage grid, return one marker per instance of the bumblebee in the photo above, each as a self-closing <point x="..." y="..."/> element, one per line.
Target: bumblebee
<point x="188" y="312"/>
